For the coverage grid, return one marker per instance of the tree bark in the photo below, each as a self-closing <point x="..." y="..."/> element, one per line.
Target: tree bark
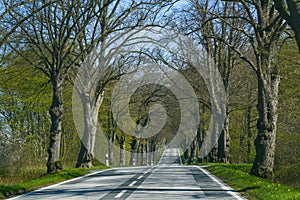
<point x="138" y="151"/>
<point x="56" y="111"/>
<point x="90" y="110"/>
<point x="265" y="141"/>
<point x="149" y="151"/>
<point x="111" y="136"/>
<point x="192" y="152"/>
<point x="133" y="152"/>
<point x="224" y="141"/>
<point x="122" y="150"/>
<point x="111" y="148"/>
<point x="144" y="163"/>
<point x="249" y="131"/>
<point x="291" y="15"/>
<point x="294" y="8"/>
<point x="152" y="152"/>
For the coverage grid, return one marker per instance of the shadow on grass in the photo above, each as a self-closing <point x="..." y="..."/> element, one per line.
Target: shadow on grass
<point x="248" y="188"/>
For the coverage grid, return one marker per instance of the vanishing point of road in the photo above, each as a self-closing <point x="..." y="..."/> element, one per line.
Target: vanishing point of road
<point x="167" y="180"/>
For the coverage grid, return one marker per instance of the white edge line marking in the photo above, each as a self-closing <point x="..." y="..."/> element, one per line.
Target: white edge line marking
<point x="57" y="184"/>
<point x="224" y="187"/>
<point x="132" y="184"/>
<point x="120" y="194"/>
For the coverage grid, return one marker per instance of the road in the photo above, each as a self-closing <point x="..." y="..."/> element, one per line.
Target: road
<point x="168" y="180"/>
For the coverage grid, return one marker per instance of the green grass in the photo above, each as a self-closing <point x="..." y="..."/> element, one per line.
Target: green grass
<point x="7" y="190"/>
<point x="251" y="187"/>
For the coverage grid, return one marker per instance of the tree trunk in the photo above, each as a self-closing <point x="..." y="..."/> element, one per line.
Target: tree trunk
<point x="192" y="152"/>
<point x="90" y="110"/>
<point x="213" y="154"/>
<point x="152" y="152"/>
<point x="122" y="150"/>
<point x="224" y="141"/>
<point x="291" y="15"/>
<point x="111" y="136"/>
<point x="138" y="151"/>
<point x="56" y="111"/>
<point x="266" y="125"/>
<point x="144" y="163"/>
<point x="111" y="148"/>
<point x="294" y="8"/>
<point x="133" y="152"/>
<point x="149" y="146"/>
<point x="249" y="131"/>
<point x="186" y="155"/>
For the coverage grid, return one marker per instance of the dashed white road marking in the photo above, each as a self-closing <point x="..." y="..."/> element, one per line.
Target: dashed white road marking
<point x="140" y="177"/>
<point x="120" y="194"/>
<point x="132" y="184"/>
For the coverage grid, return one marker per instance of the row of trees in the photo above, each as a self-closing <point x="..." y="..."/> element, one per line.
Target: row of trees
<point x="51" y="41"/>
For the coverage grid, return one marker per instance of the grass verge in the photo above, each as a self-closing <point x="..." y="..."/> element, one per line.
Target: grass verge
<point x="251" y="187"/>
<point x="7" y="190"/>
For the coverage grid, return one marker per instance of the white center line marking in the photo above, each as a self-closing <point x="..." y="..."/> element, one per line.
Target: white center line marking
<point x="140" y="177"/>
<point x="120" y="194"/>
<point x="131" y="184"/>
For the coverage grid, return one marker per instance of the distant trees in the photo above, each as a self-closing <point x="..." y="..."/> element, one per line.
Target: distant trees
<point x="24" y="121"/>
<point x="212" y="34"/>
<point x="102" y="63"/>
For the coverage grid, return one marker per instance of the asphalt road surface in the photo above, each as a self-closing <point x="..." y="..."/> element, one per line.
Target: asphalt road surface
<point x="168" y="180"/>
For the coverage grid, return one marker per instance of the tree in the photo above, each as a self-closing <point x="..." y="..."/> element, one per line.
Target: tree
<point x="114" y="21"/>
<point x="51" y="34"/>
<point x="201" y="22"/>
<point x="262" y="29"/>
<point x="290" y="11"/>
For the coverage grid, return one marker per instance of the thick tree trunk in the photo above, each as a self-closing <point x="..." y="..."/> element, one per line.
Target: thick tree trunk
<point x="85" y="157"/>
<point x="90" y="110"/>
<point x="56" y="111"/>
<point x="224" y="141"/>
<point x="213" y="155"/>
<point x="265" y="141"/>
